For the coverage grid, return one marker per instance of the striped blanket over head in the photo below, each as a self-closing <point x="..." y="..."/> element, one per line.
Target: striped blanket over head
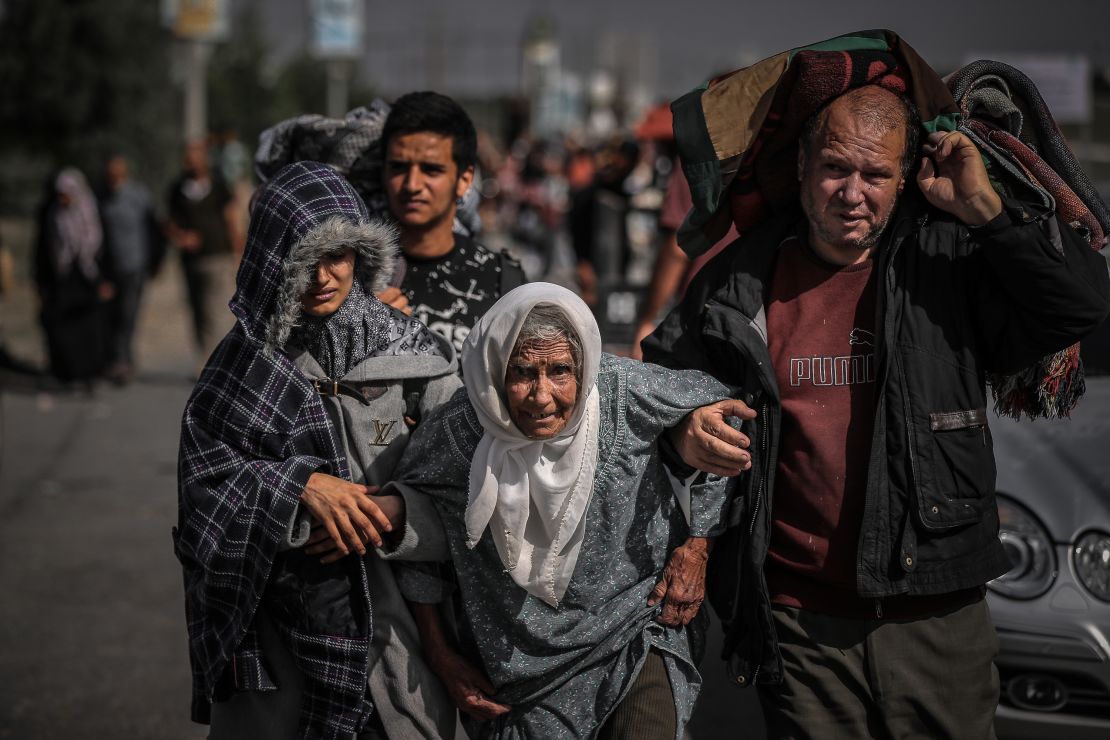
<point x="737" y="136"/>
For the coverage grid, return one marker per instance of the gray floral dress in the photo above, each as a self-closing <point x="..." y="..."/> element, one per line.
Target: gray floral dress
<point x="564" y="669"/>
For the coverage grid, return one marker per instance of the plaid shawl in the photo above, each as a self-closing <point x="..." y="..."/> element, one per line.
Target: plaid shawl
<point x="737" y="135"/>
<point x="253" y="432"/>
<point x="1027" y="157"/>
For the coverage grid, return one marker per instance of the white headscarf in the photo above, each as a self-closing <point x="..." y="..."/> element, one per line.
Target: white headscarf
<point x="77" y="233"/>
<point x="532" y="494"/>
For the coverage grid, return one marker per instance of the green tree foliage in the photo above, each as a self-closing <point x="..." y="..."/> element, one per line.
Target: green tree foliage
<point x="85" y="79"/>
<point x="302" y="87"/>
<point x="82" y="79"/>
<point x="240" y="86"/>
<point x="248" y="92"/>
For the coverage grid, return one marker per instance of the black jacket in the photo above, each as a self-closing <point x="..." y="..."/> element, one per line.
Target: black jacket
<point x="953" y="304"/>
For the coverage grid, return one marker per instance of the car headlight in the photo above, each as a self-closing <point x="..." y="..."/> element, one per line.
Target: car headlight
<point x="1030" y="550"/>
<point x="1091" y="556"/>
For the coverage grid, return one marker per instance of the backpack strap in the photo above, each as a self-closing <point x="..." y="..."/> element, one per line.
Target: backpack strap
<point x="330" y="387"/>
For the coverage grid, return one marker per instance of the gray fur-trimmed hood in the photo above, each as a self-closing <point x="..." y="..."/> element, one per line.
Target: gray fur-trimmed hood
<point x="305" y="211"/>
<point x="376" y="251"/>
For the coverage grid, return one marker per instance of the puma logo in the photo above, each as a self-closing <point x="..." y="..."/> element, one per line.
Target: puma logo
<point x="381" y="432"/>
<point x="861" y="337"/>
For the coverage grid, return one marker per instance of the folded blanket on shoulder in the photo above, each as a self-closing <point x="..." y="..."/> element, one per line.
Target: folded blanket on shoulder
<point x="1027" y="157"/>
<point x="994" y="96"/>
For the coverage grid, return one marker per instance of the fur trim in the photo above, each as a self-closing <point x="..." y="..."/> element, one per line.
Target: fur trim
<point x="375" y="245"/>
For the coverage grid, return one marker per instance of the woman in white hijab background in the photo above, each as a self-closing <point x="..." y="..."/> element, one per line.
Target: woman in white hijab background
<point x="544" y="486"/>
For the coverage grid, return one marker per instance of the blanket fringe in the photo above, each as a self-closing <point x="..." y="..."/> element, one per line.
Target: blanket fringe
<point x="1048" y="389"/>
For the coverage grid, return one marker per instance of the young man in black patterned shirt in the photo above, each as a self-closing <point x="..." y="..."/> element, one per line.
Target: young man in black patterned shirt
<point x="450" y="280"/>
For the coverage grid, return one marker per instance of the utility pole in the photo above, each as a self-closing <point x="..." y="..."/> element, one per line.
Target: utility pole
<point x="197" y="23"/>
<point x="195" y="124"/>
<point x="336" y="39"/>
<point x="433" y="54"/>
<point x="339" y="86"/>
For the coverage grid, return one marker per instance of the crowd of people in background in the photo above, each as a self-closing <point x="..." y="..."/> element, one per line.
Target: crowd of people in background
<point x="584" y="214"/>
<point x="100" y="239"/>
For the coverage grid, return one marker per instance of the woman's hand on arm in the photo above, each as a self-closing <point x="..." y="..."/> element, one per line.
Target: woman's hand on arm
<point x="468" y="686"/>
<point x="347" y="513"/>
<point x="392" y="508"/>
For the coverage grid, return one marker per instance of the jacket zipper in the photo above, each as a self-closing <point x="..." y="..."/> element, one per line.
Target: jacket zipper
<point x="893" y="358"/>
<point x="902" y="381"/>
<point x="910" y="448"/>
<point x="763" y="478"/>
<point x="764" y="458"/>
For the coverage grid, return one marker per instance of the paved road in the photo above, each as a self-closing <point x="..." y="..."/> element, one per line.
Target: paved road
<point x="92" y="635"/>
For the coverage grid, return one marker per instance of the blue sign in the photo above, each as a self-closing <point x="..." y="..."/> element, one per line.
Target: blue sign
<point x="336" y="28"/>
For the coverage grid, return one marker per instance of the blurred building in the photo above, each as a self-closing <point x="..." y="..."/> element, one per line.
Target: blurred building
<point x="554" y="94"/>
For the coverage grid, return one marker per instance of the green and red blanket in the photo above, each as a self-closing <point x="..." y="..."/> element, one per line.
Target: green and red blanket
<point x="738" y="134"/>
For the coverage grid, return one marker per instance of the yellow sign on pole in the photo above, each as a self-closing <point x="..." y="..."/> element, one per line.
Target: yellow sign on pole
<point x="200" y="20"/>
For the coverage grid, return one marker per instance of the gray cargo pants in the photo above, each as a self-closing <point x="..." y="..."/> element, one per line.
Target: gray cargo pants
<point x="861" y="678"/>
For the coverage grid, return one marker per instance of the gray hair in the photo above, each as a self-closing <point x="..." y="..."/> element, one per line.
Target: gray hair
<point x="546" y="322"/>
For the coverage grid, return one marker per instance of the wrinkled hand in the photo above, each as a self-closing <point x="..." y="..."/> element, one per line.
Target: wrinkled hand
<point x="952" y="178"/>
<point x="469" y="688"/>
<point x="682" y="587"/>
<point x="395" y="298"/>
<point x="346" y="511"/>
<point x="705" y="441"/>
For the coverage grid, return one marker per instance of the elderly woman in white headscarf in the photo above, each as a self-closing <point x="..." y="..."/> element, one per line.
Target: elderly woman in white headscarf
<point x="544" y="486"/>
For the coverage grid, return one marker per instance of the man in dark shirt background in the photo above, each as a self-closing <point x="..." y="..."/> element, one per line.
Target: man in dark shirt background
<point x="203" y="226"/>
<point x="450" y="280"/>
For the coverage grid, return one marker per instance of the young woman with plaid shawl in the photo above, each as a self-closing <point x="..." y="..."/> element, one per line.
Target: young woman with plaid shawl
<point x="301" y="403"/>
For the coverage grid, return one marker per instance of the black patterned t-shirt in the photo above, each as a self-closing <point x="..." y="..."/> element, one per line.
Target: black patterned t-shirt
<point x="450" y="293"/>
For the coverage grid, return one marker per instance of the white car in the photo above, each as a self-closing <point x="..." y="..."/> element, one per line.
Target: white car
<point x="1052" y="610"/>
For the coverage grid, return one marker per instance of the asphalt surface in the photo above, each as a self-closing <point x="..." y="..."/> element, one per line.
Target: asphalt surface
<point x="92" y="632"/>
